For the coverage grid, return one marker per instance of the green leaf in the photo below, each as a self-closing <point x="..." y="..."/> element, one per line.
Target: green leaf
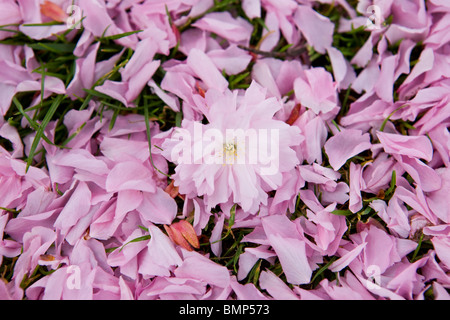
<point x="149" y="138"/>
<point x="43" y="24"/>
<point x="232" y="216"/>
<point x="383" y="125"/>
<point x="32" y="123"/>
<point x="417" y="249"/>
<point x="284" y="48"/>
<point x="178" y="119"/>
<point x="122" y="35"/>
<point x="143" y="238"/>
<point x="393" y="182"/>
<point x="325" y="267"/>
<point x="53" y="47"/>
<point x="238" y="79"/>
<point x="42" y="126"/>
<point x="342" y="212"/>
<point x="97" y="94"/>
<point x="9" y="30"/>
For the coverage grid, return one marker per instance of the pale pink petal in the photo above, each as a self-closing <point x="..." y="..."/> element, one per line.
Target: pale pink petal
<point x="76" y="208"/>
<point x="385" y="84"/>
<point x="317" y="29"/>
<point x="161" y="249"/>
<point x="276" y="287"/>
<point x="290" y="250"/>
<point x="216" y="236"/>
<point x="201" y="268"/>
<point x="424" y="175"/>
<point x="233" y="59"/>
<point x="344" y="145"/>
<point x="442" y="245"/>
<point x="355" y="201"/>
<point x="130" y="175"/>
<point x="158" y="207"/>
<point x="202" y="65"/>
<point x="411" y="146"/>
<point x="342" y="69"/>
<point x="347" y="258"/>
<point x="224" y="25"/>
<point x="252" y="8"/>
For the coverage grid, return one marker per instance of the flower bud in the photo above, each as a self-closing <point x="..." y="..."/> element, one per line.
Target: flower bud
<point x="182" y="233"/>
<point x="53" y="11"/>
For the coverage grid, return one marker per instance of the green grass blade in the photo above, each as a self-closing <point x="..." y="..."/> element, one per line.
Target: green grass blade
<point x="43" y="125"/>
<point x="122" y="35"/>
<point x="149" y="137"/>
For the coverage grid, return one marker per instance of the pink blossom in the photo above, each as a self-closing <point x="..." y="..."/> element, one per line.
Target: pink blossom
<point x="316" y="91"/>
<point x="244" y="180"/>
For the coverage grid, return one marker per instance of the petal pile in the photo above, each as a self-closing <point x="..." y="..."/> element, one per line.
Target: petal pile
<point x="223" y="150"/>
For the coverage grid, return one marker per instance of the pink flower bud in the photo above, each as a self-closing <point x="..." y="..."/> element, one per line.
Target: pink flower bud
<point x="182" y="233"/>
<point x="53" y="11"/>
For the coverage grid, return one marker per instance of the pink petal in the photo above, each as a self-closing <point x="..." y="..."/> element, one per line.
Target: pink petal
<point x="76" y="208"/>
<point x="202" y="65"/>
<point x="224" y="25"/>
<point x="424" y="175"/>
<point x="411" y="146"/>
<point x="344" y="145"/>
<point x="347" y="258"/>
<point x="290" y="250"/>
<point x="161" y="247"/>
<point x="276" y="287"/>
<point x="158" y="207"/>
<point x="130" y="175"/>
<point x="355" y="201"/>
<point x="201" y="268"/>
<point x="317" y="29"/>
<point x="233" y="60"/>
<point x="252" y="8"/>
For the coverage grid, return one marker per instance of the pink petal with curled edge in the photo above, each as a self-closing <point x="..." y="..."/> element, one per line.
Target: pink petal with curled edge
<point x="424" y="175"/>
<point x="224" y="25"/>
<point x="291" y="250"/>
<point x="347" y="258"/>
<point x="252" y="8"/>
<point x="411" y="146"/>
<point x="76" y="208"/>
<point x="158" y="207"/>
<point x="346" y="144"/>
<point x="161" y="248"/>
<point x="317" y="29"/>
<point x="130" y="175"/>
<point x="355" y="201"/>
<point x="276" y="287"/>
<point x="205" y="69"/>
<point x="199" y="267"/>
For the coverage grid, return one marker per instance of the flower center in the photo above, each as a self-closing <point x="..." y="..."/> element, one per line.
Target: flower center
<point x="230" y="149"/>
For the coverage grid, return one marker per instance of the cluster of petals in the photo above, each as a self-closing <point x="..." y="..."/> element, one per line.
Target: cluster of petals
<point x="103" y="220"/>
